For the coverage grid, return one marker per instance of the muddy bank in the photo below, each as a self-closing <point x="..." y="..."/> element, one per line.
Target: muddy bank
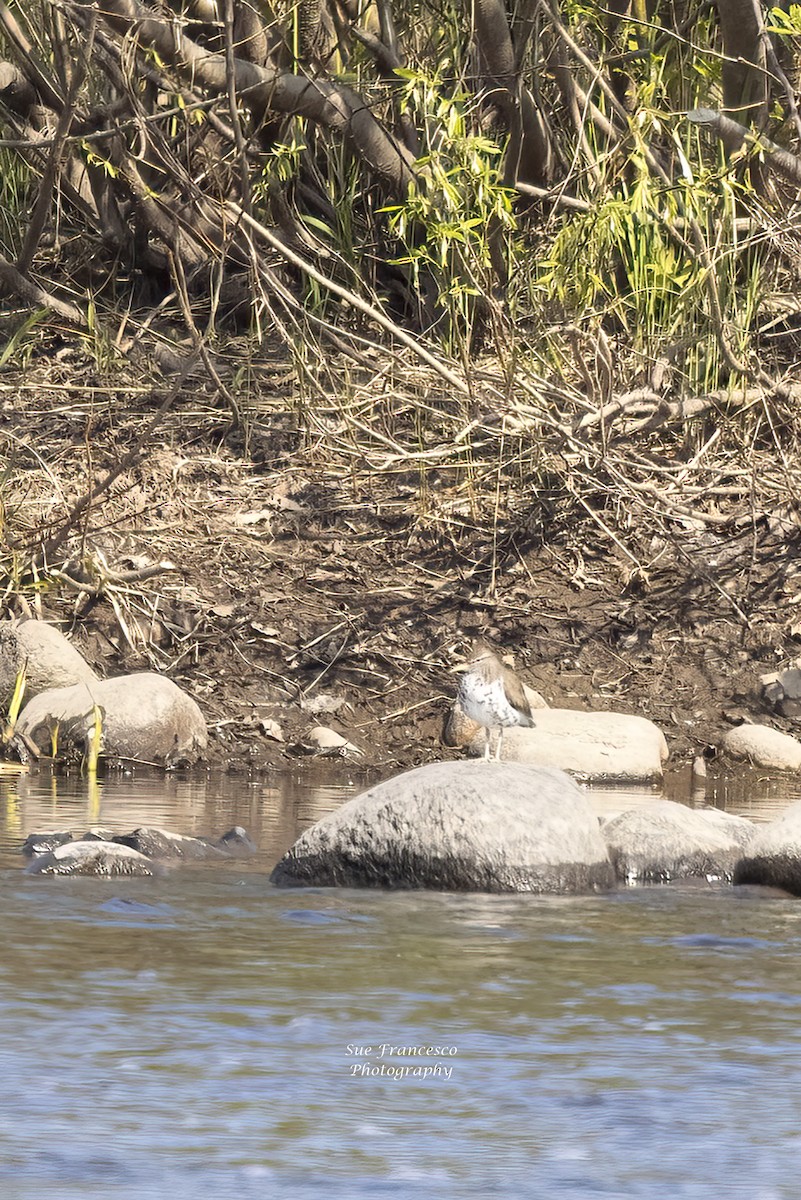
<point x="284" y="592"/>
<point x="328" y="624"/>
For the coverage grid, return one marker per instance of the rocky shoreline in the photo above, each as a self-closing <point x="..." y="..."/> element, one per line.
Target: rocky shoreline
<point x="522" y="824"/>
<point x="146" y="718"/>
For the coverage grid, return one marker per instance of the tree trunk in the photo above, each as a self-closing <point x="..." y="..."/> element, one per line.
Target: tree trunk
<point x="745" y="87"/>
<point x="528" y="154"/>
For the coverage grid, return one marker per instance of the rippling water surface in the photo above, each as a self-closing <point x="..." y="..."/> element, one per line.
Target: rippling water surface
<point x="206" y="1035"/>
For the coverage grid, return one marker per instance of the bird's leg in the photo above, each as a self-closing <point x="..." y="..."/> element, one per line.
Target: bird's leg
<point x="500" y="743"/>
<point x="487" y="736"/>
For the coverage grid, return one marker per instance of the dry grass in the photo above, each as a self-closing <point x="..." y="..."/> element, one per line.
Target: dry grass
<point x="92" y="509"/>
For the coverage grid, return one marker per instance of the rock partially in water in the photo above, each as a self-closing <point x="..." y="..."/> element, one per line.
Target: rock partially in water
<point x="739" y="828"/>
<point x="40" y="843"/>
<point x="51" y="661"/>
<point x="153" y="843"/>
<point x="98" y="833"/>
<point x="763" y="746"/>
<point x="462" y="826"/>
<point x="145" y="718"/>
<point x="237" y="843"/>
<point x="599" y="746"/>
<point x="663" y="841"/>
<point x="161" y="843"/>
<point x="99" y="858"/>
<point x="773" y="857"/>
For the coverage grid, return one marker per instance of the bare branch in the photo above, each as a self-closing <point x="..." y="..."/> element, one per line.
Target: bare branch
<point x="269" y="90"/>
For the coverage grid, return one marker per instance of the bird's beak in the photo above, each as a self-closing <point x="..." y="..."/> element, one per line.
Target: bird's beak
<point x="460" y="667"/>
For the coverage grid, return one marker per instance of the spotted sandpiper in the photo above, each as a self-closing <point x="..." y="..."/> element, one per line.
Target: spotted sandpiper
<point x="493" y="696"/>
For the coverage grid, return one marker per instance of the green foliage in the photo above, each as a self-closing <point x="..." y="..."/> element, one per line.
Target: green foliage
<point x="16" y="180"/>
<point x="786" y="22"/>
<point x="456" y="207"/>
<point x="280" y="164"/>
<point x="20" y="344"/>
<point x="630" y="262"/>
<point x="15" y="706"/>
<point x="657" y="258"/>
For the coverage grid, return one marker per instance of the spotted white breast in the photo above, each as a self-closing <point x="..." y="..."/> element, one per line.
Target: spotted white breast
<point x="487" y="703"/>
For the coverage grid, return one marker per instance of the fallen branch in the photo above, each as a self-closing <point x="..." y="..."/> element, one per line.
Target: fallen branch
<point x="732" y="133"/>
<point x="31" y="293"/>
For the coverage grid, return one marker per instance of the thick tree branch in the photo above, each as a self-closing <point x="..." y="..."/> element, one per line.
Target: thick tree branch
<point x="265" y="89"/>
<point x="745" y="79"/>
<point x="734" y="135"/>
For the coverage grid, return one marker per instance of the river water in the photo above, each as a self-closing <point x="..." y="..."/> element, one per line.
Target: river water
<point x="207" y="1035"/>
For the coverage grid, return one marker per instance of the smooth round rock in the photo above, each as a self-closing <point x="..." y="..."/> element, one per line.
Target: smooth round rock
<point x="460" y="826"/>
<point x="602" y="746"/>
<point x="50" y="660"/>
<point x="663" y="841"/>
<point x="773" y="856"/>
<point x="145" y="718"/>
<point x="763" y="746"/>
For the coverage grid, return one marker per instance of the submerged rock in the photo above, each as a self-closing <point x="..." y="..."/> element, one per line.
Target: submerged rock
<point x="763" y="746"/>
<point x="50" y="660"/>
<point x="144" y="718"/>
<point x="161" y="843"/>
<point x="594" y="745"/>
<point x="461" y="826"/>
<point x="773" y="856"/>
<point x="40" y="843"/>
<point x="662" y="841"/>
<point x="98" y="858"/>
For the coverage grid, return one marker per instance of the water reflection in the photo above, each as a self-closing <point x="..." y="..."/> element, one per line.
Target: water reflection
<point x="752" y="793"/>
<point x="272" y="809"/>
<point x="276" y="808"/>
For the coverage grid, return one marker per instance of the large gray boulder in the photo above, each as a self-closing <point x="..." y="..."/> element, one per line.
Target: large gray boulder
<point x="461" y="826"/>
<point x="762" y="747"/>
<point x="600" y="746"/>
<point x="663" y="841"/>
<point x="145" y="718"/>
<point x="51" y="661"/>
<point x="773" y="856"/>
<point x="98" y="858"/>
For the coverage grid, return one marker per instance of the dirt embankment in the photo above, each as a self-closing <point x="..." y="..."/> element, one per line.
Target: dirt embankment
<point x="284" y="592"/>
